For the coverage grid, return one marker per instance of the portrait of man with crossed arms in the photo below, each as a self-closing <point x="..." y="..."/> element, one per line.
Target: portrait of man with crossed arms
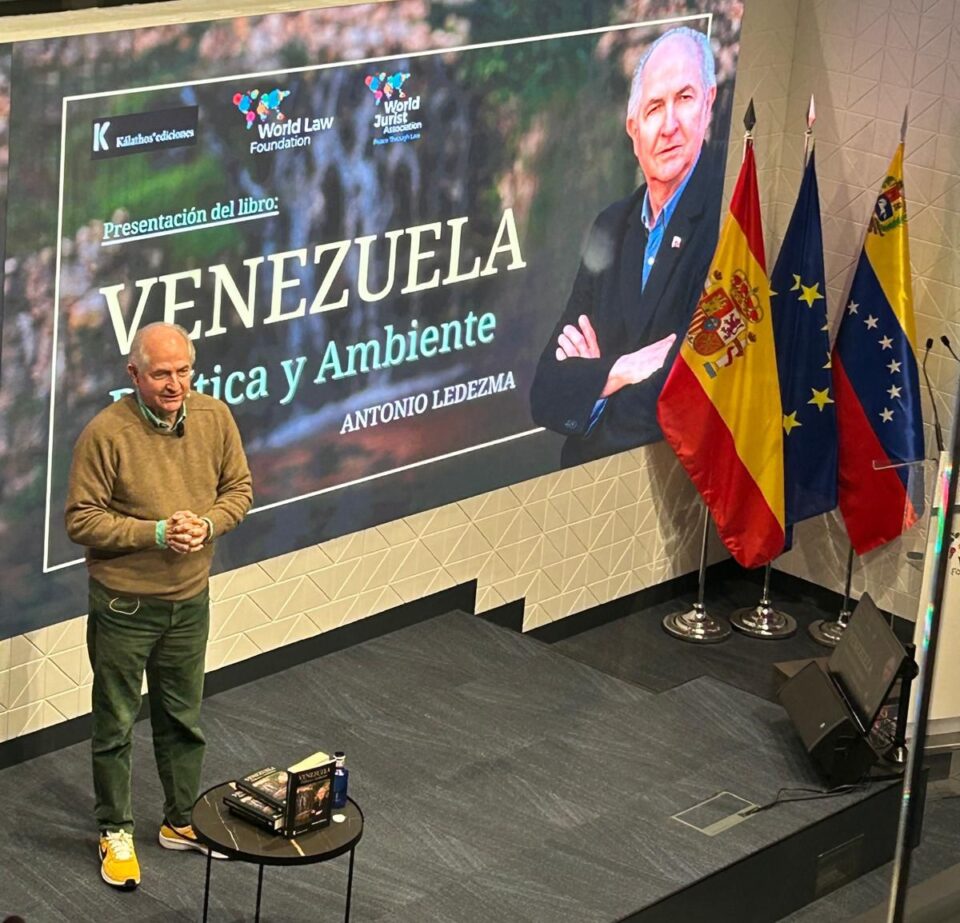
<point x="643" y="266"/>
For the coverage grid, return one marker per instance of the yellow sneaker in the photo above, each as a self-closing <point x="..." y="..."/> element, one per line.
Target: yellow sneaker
<point x="183" y="838"/>
<point x="118" y="860"/>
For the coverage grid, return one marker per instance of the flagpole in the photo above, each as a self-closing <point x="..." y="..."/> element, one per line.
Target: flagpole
<point x="763" y="620"/>
<point x="696" y="625"/>
<point x="829" y="633"/>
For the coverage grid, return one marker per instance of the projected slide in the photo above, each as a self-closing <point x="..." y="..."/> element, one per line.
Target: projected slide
<point x="368" y="219"/>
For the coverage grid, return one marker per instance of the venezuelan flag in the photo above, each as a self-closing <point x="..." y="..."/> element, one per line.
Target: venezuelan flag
<point x="720" y="405"/>
<point x="876" y="381"/>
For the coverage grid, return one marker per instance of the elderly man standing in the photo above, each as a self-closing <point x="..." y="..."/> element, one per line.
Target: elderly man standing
<point x="151" y="486"/>
<point x="643" y="267"/>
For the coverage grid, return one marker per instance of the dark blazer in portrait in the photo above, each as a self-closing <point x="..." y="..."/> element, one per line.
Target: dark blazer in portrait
<point x="607" y="289"/>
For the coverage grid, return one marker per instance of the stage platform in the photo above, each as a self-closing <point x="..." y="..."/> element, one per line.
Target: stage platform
<point x="501" y="781"/>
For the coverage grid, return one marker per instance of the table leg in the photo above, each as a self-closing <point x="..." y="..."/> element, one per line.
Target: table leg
<point x="259" y="893"/>
<point x="206" y="889"/>
<point x="346" y="914"/>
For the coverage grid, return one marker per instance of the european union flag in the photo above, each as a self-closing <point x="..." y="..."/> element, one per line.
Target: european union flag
<point x="801" y="330"/>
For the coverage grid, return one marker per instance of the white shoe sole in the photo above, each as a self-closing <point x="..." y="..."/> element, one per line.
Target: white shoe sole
<point x="185" y="845"/>
<point x="129" y="885"/>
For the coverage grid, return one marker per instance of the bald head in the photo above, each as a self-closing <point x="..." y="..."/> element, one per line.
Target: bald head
<point x="160" y="366"/>
<point x="153" y="334"/>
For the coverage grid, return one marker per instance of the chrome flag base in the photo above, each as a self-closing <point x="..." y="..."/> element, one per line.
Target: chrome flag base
<point x="896" y="755"/>
<point x="763" y="621"/>
<point x="696" y="626"/>
<point x="827" y="633"/>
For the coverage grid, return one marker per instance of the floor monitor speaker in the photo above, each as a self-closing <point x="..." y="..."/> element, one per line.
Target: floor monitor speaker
<point x="841" y="753"/>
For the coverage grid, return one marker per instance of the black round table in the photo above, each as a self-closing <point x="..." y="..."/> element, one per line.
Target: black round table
<point x="220" y="830"/>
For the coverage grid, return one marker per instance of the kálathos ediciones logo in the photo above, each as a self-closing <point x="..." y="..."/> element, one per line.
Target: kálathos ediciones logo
<point x="100" y="140"/>
<point x="254" y="104"/>
<point x="387" y="87"/>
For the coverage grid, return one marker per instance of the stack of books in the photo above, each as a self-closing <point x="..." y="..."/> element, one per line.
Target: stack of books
<point x="286" y="801"/>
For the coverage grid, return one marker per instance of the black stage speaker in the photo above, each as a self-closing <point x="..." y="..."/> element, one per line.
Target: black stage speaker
<point x="841" y="753"/>
<point x="834" y="709"/>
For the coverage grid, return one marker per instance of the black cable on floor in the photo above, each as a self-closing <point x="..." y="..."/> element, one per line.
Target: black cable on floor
<point x="816" y="794"/>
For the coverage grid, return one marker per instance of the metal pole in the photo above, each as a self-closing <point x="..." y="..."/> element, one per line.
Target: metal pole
<point x="702" y="579"/>
<point x="346" y="913"/>
<point x="696" y="625"/>
<point x="206" y="890"/>
<point x="830" y="633"/>
<point x="845" y="612"/>
<point x="898" y="746"/>
<point x="259" y="894"/>
<point x="947" y="485"/>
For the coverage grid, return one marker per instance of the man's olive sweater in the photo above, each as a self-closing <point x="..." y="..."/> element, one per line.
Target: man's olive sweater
<point x="126" y="475"/>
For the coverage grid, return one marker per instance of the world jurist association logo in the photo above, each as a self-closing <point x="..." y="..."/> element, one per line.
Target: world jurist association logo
<point x="397" y="119"/>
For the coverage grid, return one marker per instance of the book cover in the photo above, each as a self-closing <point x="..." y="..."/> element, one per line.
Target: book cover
<point x="309" y="790"/>
<point x="269" y="785"/>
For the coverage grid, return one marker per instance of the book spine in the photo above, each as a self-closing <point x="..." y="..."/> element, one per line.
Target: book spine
<point x="310" y="825"/>
<point x="288" y="828"/>
<point x="251" y="789"/>
<point x="254" y="817"/>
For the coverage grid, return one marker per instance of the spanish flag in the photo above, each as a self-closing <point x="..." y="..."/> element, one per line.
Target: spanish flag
<point x="720" y="405"/>
<point x="876" y="381"/>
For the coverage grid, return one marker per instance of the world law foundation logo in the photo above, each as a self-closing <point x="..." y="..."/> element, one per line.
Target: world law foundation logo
<point x="254" y="105"/>
<point x="397" y="119"/>
<point x="275" y="130"/>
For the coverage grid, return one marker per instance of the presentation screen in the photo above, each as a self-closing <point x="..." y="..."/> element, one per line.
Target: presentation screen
<point x="369" y="219"/>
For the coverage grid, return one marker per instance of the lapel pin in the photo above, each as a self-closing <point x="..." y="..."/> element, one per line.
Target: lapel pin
<point x="675" y="243"/>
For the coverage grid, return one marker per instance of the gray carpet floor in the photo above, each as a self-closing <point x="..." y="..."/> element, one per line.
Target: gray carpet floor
<point x="501" y="780"/>
<point x="636" y="648"/>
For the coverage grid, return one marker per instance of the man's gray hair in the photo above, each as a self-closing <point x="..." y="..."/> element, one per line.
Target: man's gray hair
<point x="138" y="356"/>
<point x="708" y="71"/>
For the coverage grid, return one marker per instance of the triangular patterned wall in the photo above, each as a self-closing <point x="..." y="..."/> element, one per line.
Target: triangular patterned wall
<point x="563" y="543"/>
<point x="865" y="62"/>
